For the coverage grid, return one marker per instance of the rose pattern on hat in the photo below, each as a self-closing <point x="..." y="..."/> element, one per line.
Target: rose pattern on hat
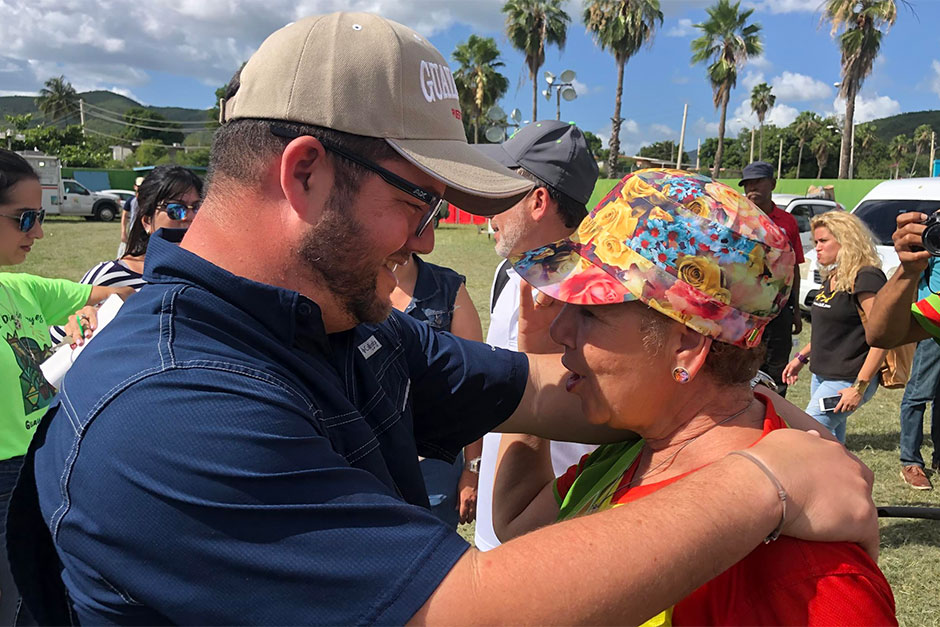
<point x="693" y="249"/>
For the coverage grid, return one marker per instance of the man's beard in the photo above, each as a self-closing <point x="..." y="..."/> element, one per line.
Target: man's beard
<point x="333" y="250"/>
<point x="510" y="233"/>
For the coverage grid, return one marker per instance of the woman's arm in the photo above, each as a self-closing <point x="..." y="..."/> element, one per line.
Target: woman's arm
<point x="465" y="323"/>
<point x="852" y="395"/>
<point x="792" y="369"/>
<point x="100" y="293"/>
<point x="523" y="493"/>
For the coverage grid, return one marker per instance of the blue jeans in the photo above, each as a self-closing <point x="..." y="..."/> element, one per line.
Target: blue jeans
<point x="440" y="479"/>
<point x="921" y="388"/>
<point x="835" y="422"/>
<point x="9" y="596"/>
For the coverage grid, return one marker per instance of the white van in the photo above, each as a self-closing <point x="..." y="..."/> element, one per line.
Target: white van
<point x="879" y="210"/>
<point x="68" y="197"/>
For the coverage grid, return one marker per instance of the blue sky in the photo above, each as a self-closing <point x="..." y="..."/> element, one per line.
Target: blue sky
<point x="176" y="52"/>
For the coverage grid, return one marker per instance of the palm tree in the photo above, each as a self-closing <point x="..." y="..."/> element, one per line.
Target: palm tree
<point x="531" y="25"/>
<point x="762" y="99"/>
<point x="58" y="99"/>
<point x="726" y="43"/>
<point x="621" y="27"/>
<point x="821" y="146"/>
<point x="899" y="147"/>
<point x="859" y="21"/>
<point x="922" y="135"/>
<point x="865" y="139"/>
<point x="479" y="83"/>
<point x="805" y="127"/>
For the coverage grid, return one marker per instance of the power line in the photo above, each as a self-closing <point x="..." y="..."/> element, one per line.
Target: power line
<point x="142" y="119"/>
<point x="165" y="129"/>
<point x="124" y="139"/>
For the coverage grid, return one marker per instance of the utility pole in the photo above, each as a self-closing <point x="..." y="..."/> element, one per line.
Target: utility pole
<point x="81" y="113"/>
<point x="698" y="155"/>
<point x="933" y="154"/>
<point x="780" y="159"/>
<point x="685" y="115"/>
<point x="752" y="146"/>
<point x="852" y="152"/>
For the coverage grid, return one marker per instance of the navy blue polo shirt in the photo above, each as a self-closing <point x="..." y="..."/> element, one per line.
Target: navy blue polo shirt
<point x="215" y="457"/>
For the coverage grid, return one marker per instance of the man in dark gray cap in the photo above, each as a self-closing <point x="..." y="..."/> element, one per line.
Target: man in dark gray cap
<point x="758" y="182"/>
<point x="555" y="156"/>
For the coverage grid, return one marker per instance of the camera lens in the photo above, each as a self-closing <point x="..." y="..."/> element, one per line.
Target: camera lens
<point x="932" y="235"/>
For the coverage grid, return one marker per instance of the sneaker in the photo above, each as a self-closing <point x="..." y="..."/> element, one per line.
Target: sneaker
<point x="914" y="476"/>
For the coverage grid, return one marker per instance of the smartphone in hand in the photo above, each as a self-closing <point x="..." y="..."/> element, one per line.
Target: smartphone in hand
<point x="828" y="403"/>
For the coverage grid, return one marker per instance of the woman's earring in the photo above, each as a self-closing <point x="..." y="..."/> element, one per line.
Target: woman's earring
<point x="680" y="374"/>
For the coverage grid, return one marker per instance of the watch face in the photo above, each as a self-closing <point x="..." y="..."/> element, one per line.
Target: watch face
<point x="474" y="465"/>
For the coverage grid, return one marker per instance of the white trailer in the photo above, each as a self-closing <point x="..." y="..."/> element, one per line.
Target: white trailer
<point x="68" y="197"/>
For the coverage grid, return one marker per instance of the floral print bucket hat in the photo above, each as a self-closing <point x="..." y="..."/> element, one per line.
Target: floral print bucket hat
<point x="692" y="248"/>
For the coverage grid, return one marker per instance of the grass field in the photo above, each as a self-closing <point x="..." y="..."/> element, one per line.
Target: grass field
<point x="910" y="553"/>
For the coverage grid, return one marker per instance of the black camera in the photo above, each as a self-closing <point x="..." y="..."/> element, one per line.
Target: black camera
<point x="932" y="234"/>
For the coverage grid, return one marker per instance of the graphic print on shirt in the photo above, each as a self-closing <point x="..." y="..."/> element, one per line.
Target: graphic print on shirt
<point x="37" y="392"/>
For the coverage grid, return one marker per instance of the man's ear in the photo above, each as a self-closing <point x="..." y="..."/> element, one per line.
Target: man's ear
<point x="305" y="176"/>
<point x="541" y="202"/>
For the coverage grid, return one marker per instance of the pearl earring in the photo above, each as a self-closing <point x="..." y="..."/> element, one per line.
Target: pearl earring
<point x="680" y="374"/>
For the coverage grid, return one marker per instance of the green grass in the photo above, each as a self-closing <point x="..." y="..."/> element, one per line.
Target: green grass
<point x="910" y="555"/>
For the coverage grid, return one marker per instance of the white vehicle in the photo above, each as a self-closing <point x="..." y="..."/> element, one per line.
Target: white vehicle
<point x="879" y="210"/>
<point x="68" y="197"/>
<point x="804" y="210"/>
<point x="123" y="194"/>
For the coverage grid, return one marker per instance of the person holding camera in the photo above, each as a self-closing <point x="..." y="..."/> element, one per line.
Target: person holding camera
<point x="907" y="309"/>
<point x="844" y="368"/>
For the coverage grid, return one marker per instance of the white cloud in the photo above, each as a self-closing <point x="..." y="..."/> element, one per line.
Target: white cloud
<point x="127" y="93"/>
<point x="868" y="109"/>
<point x="935" y="78"/>
<point x="795" y="87"/>
<point x="662" y="129"/>
<point x="98" y="43"/>
<point x="760" y="62"/>
<point x="683" y="28"/>
<point x="743" y="117"/>
<point x="751" y="79"/>
<point x="680" y="79"/>
<point x="786" y="6"/>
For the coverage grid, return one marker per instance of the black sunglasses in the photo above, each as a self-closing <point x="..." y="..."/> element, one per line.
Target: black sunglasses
<point x="433" y="201"/>
<point x="27" y="218"/>
<point x="176" y="210"/>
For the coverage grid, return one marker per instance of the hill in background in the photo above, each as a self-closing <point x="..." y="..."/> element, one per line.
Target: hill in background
<point x="115" y="105"/>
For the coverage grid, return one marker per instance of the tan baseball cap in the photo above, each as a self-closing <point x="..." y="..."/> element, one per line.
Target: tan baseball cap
<point x="363" y="74"/>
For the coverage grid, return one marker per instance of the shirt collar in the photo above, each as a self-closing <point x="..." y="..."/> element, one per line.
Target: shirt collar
<point x="291" y="317"/>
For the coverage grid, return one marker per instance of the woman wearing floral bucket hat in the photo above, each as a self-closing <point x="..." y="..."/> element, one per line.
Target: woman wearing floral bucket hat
<point x="667" y="287"/>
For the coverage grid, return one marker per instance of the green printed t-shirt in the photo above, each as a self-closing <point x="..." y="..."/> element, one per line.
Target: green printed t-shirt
<point x="35" y="303"/>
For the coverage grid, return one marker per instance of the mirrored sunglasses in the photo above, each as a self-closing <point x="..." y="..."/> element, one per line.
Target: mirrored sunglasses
<point x="176" y="210"/>
<point x="27" y="218"/>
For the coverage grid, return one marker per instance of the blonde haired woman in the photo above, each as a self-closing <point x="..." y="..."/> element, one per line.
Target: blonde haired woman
<point x="840" y="359"/>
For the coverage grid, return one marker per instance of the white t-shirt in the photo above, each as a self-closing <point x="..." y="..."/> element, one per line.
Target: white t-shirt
<point x="503" y="333"/>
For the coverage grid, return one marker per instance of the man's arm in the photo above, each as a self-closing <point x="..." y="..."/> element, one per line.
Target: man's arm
<point x="797" y="319"/>
<point x="890" y="322"/>
<point x="124" y="213"/>
<point x="657" y="550"/>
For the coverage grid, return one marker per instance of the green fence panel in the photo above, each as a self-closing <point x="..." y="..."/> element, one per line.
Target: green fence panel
<point x="120" y="179"/>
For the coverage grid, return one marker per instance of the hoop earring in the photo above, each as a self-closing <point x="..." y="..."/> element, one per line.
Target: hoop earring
<point x="680" y="374"/>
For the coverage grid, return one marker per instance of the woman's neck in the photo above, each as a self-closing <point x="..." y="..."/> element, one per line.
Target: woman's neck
<point x="731" y="420"/>
<point x="407" y="275"/>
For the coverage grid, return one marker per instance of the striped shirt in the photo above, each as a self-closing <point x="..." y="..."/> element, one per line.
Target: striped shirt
<point x="109" y="274"/>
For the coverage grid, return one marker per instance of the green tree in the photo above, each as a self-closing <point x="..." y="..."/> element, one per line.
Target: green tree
<point x="726" y="43"/>
<point x="89" y="154"/>
<point x="921" y="141"/>
<point x="805" y="127"/>
<point x="860" y="23"/>
<point x="899" y="147"/>
<point x="149" y="152"/>
<point x="57" y="100"/>
<point x="479" y="83"/>
<point x="823" y="145"/>
<point x="594" y="143"/>
<point x="51" y="139"/>
<point x="142" y="124"/>
<point x="531" y="25"/>
<point x="19" y="123"/>
<point x="762" y="100"/>
<point x="664" y="150"/>
<point x="621" y="27"/>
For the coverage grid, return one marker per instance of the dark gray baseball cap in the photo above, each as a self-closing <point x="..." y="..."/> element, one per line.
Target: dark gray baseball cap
<point x="555" y="152"/>
<point x="757" y="170"/>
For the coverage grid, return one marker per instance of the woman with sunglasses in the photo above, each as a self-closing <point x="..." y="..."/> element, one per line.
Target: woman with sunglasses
<point x="438" y="296"/>
<point x="28" y="305"/>
<point x="168" y="197"/>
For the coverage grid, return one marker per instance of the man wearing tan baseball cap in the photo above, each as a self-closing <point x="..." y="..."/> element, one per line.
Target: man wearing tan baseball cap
<point x="240" y="444"/>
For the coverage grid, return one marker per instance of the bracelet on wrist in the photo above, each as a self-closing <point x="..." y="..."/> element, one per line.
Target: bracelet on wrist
<point x="781" y="493"/>
<point x="803" y="359"/>
<point x="860" y="385"/>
